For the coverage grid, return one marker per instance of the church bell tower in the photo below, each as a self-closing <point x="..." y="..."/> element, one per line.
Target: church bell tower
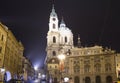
<point x="53" y="35"/>
<point x="59" y="41"/>
<point x="53" y="21"/>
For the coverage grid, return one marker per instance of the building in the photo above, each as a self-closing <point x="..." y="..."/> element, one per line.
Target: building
<point x="3" y="39"/>
<point x="11" y="54"/>
<point x="81" y="64"/>
<point x="28" y="70"/>
<point x="92" y="64"/>
<point x="118" y="66"/>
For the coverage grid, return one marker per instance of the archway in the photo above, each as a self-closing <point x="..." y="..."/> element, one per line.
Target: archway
<point x="76" y="79"/>
<point x="98" y="79"/>
<point x="108" y="79"/>
<point x="87" y="80"/>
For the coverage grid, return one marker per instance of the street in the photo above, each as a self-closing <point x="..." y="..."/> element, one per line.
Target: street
<point x="38" y="81"/>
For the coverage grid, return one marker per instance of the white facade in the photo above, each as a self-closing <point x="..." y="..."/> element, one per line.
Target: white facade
<point x="82" y="64"/>
<point x="58" y="36"/>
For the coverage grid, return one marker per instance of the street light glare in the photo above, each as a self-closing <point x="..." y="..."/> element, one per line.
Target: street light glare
<point x="35" y="67"/>
<point x="61" y="57"/>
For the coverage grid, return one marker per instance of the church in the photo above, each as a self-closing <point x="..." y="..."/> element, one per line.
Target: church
<point x="66" y="63"/>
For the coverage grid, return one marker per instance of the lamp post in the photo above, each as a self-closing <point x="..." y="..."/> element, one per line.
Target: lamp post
<point x="2" y="72"/>
<point x="61" y="57"/>
<point x="36" y="72"/>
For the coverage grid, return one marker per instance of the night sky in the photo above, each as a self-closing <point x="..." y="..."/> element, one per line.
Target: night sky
<point x="97" y="22"/>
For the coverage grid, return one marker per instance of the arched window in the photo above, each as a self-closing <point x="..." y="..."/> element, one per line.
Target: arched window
<point x="98" y="79"/>
<point x="54" y="53"/>
<point x="54" y="39"/>
<point x="65" y="39"/>
<point x="108" y="79"/>
<point x="55" y="80"/>
<point x="87" y="80"/>
<point x="54" y="26"/>
<point x="76" y="79"/>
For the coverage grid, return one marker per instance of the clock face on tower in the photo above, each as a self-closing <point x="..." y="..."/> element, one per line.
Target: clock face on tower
<point x="54" y="19"/>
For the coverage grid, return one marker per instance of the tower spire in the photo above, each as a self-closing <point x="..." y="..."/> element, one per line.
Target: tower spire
<point x="53" y="9"/>
<point x="53" y="20"/>
<point x="53" y="13"/>
<point x="79" y="42"/>
<point x="62" y="20"/>
<point x="62" y="24"/>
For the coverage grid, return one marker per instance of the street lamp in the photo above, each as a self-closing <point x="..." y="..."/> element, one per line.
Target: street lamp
<point x="61" y="57"/>
<point x="36" y="68"/>
<point x="2" y="72"/>
<point x="36" y="71"/>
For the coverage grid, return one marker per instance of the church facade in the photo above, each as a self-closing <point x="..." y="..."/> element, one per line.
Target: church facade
<point x="81" y="64"/>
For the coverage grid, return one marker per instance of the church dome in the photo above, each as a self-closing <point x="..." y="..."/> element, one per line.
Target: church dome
<point x="65" y="30"/>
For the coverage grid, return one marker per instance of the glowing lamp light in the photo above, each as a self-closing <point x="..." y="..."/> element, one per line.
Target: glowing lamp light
<point x="39" y="75"/>
<point x="2" y="70"/>
<point x="61" y="57"/>
<point x="66" y="79"/>
<point x="36" y="68"/>
<point x="43" y="75"/>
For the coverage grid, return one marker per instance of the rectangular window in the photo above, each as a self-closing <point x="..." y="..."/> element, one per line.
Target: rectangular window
<point x="2" y="38"/>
